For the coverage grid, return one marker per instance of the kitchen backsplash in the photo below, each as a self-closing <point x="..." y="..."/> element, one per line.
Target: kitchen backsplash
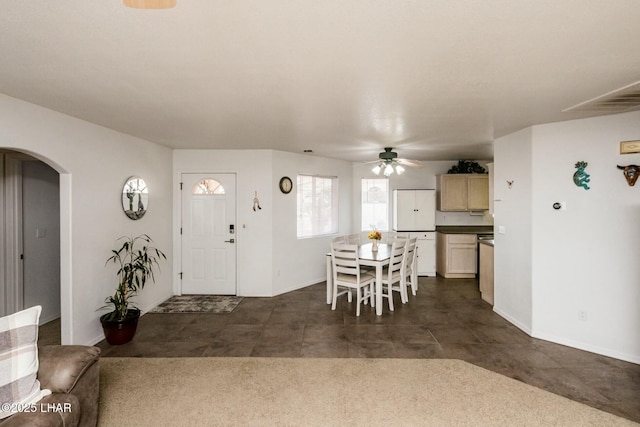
<point x="463" y="218"/>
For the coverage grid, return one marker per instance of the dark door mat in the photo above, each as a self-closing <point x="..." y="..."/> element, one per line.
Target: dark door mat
<point x="218" y="304"/>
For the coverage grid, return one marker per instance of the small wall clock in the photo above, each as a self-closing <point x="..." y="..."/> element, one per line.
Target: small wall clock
<point x="286" y="185"/>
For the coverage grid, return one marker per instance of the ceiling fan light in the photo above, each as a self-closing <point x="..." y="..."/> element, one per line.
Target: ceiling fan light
<point x="376" y="169"/>
<point x="388" y="170"/>
<point x="150" y="4"/>
<point x="399" y="169"/>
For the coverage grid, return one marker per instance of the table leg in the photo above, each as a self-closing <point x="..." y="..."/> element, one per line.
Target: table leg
<point x="329" y="280"/>
<point x="379" y="289"/>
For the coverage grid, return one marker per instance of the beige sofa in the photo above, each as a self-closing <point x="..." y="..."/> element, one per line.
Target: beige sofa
<point x="72" y="373"/>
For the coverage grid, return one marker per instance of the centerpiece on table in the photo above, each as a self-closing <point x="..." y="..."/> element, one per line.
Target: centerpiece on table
<point x="374" y="236"/>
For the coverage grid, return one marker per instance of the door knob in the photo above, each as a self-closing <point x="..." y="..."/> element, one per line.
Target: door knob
<point x="230" y="241"/>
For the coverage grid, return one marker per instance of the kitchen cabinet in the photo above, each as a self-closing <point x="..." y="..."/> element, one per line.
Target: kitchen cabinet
<point x="426" y="252"/>
<point x="486" y="272"/>
<point x="456" y="255"/>
<point x="462" y="192"/>
<point x="414" y="210"/>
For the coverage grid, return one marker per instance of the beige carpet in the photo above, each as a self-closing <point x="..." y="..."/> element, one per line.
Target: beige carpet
<point x="326" y="392"/>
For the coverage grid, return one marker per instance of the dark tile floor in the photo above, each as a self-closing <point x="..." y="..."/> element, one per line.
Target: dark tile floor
<point x="447" y="319"/>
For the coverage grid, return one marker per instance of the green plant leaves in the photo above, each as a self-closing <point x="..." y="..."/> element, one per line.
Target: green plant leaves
<point x="467" y="166"/>
<point x="135" y="266"/>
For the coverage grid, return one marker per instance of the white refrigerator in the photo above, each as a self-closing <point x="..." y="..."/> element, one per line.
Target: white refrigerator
<point x="414" y="211"/>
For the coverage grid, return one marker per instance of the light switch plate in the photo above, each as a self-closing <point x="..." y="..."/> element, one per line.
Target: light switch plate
<point x="502" y="229"/>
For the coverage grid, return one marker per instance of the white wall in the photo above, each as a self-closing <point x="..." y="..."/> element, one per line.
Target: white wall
<point x="253" y="228"/>
<point x="270" y="258"/>
<point x="586" y="259"/>
<point x="301" y="262"/>
<point x="414" y="178"/>
<point x="93" y="163"/>
<point x="512" y="208"/>
<point x="571" y="276"/>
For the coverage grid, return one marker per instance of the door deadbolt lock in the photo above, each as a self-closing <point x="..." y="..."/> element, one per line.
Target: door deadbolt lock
<point x="230" y="241"/>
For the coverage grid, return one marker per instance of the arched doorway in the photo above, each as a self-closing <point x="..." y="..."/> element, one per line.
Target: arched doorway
<point x="31" y="249"/>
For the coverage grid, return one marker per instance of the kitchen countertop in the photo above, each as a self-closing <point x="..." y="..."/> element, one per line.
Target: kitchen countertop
<point x="465" y="229"/>
<point x="486" y="242"/>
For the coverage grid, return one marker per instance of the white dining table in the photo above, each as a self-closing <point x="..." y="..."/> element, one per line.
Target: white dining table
<point x="368" y="257"/>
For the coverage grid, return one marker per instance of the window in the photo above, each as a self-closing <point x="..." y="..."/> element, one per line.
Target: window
<point x="317" y="205"/>
<point x="375" y="204"/>
<point x="208" y="186"/>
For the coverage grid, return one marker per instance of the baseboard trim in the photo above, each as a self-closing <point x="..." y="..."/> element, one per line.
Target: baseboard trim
<point x="300" y="286"/>
<point x="48" y="319"/>
<point x="569" y="342"/>
<point x="587" y="347"/>
<point x="151" y="306"/>
<point x="95" y="340"/>
<point x="143" y="310"/>
<point x="513" y="321"/>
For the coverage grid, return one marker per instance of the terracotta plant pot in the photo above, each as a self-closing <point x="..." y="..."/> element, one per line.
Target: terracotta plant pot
<point x="119" y="332"/>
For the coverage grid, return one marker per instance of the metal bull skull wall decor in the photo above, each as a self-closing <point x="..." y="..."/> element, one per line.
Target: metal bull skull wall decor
<point x="630" y="173"/>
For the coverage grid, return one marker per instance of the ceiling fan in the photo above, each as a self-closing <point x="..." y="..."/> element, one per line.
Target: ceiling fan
<point x="388" y="162"/>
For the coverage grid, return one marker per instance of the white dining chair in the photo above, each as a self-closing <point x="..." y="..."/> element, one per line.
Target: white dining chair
<point x="354" y="239"/>
<point x="396" y="238"/>
<point x="411" y="277"/>
<point x="347" y="275"/>
<point x="393" y="276"/>
<point x="343" y="239"/>
<point x="401" y="239"/>
<point x="395" y="235"/>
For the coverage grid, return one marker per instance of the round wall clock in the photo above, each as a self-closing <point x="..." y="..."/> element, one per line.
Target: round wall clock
<point x="286" y="185"/>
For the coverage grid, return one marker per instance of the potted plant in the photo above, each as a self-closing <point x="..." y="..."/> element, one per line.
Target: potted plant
<point x="136" y="259"/>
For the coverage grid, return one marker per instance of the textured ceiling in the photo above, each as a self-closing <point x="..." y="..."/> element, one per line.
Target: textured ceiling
<point x="435" y="79"/>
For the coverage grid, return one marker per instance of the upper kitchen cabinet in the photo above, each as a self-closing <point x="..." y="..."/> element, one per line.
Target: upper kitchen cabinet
<point x="463" y="192"/>
<point x="414" y="210"/>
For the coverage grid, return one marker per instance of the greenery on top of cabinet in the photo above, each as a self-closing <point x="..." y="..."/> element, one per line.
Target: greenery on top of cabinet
<point x="467" y="166"/>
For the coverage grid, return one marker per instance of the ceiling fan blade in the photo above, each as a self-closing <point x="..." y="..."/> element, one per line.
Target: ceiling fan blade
<point x="410" y="163"/>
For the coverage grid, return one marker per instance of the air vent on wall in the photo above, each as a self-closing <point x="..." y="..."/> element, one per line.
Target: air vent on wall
<point x="617" y="101"/>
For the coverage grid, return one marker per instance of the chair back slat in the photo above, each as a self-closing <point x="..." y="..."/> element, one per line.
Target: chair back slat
<point x="393" y="236"/>
<point x="411" y="252"/>
<point x="344" y="258"/>
<point x="397" y="260"/>
<point x="354" y="239"/>
<point x="399" y="240"/>
<point x="339" y="239"/>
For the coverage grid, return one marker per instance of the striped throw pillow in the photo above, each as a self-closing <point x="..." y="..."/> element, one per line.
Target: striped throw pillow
<point x="19" y="386"/>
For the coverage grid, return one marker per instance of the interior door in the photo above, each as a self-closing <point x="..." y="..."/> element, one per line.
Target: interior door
<point x="208" y="234"/>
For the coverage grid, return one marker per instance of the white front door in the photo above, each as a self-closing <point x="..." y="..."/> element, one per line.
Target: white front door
<point x="208" y="234"/>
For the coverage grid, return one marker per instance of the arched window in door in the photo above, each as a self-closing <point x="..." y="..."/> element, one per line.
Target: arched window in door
<point x="208" y="186"/>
